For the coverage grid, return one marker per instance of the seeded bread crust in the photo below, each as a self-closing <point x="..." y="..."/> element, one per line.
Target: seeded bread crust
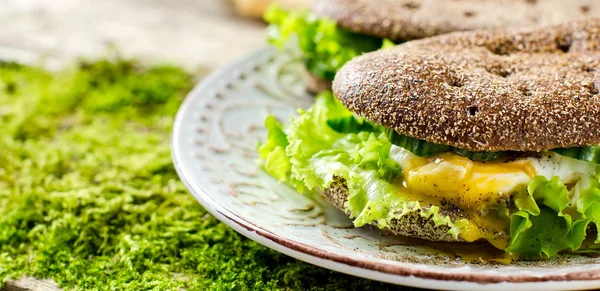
<point x="527" y="90"/>
<point x="414" y="19"/>
<point x="411" y="224"/>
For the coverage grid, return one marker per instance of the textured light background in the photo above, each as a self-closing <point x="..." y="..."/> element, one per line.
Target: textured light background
<point x="191" y="33"/>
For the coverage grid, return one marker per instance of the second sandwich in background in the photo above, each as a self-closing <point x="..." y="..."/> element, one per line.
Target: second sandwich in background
<point x="335" y="31"/>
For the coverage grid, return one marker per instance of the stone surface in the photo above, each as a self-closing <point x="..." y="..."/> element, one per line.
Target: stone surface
<point x="190" y="33"/>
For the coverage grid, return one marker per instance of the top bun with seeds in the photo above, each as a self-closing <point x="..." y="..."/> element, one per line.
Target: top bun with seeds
<point x="335" y="31"/>
<point x="505" y="90"/>
<point x="414" y="19"/>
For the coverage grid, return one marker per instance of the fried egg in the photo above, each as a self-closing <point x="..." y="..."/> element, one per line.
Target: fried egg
<point x="469" y="184"/>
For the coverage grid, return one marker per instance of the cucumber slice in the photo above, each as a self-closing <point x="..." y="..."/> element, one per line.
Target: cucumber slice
<point x="588" y="154"/>
<point x="349" y="124"/>
<point x="418" y="147"/>
<point x="478" y="156"/>
<point x="591" y="154"/>
<point x="570" y="152"/>
<point x="423" y="148"/>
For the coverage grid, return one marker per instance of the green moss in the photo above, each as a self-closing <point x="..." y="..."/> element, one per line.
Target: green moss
<point x="90" y="199"/>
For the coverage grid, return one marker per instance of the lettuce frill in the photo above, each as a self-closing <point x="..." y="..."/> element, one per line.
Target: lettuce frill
<point x="325" y="46"/>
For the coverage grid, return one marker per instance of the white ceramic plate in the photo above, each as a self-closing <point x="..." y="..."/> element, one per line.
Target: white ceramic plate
<point x="213" y="145"/>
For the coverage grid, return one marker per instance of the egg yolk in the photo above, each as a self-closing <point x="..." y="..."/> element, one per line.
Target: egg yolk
<point x="463" y="182"/>
<point x="470" y="185"/>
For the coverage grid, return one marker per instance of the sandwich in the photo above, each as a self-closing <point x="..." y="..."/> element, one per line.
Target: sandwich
<point x="335" y="31"/>
<point x="485" y="136"/>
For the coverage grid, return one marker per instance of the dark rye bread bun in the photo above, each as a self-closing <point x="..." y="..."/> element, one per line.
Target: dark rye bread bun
<point x="410" y="224"/>
<point x="527" y="90"/>
<point x="414" y="19"/>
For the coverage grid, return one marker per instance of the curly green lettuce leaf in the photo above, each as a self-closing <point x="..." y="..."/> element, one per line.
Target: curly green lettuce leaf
<point x="316" y="149"/>
<point x="588" y="202"/>
<point x="387" y="43"/>
<point x="277" y="164"/>
<point x="328" y="142"/>
<point x="541" y="226"/>
<point x="325" y="46"/>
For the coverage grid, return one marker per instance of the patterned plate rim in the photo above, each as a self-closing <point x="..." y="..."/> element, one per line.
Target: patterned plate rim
<point x="386" y="272"/>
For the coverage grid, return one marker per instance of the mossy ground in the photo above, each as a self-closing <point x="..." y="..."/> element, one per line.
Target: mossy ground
<point x="90" y="199"/>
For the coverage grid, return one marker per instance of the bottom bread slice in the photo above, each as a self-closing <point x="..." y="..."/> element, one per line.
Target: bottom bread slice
<point x="411" y="224"/>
